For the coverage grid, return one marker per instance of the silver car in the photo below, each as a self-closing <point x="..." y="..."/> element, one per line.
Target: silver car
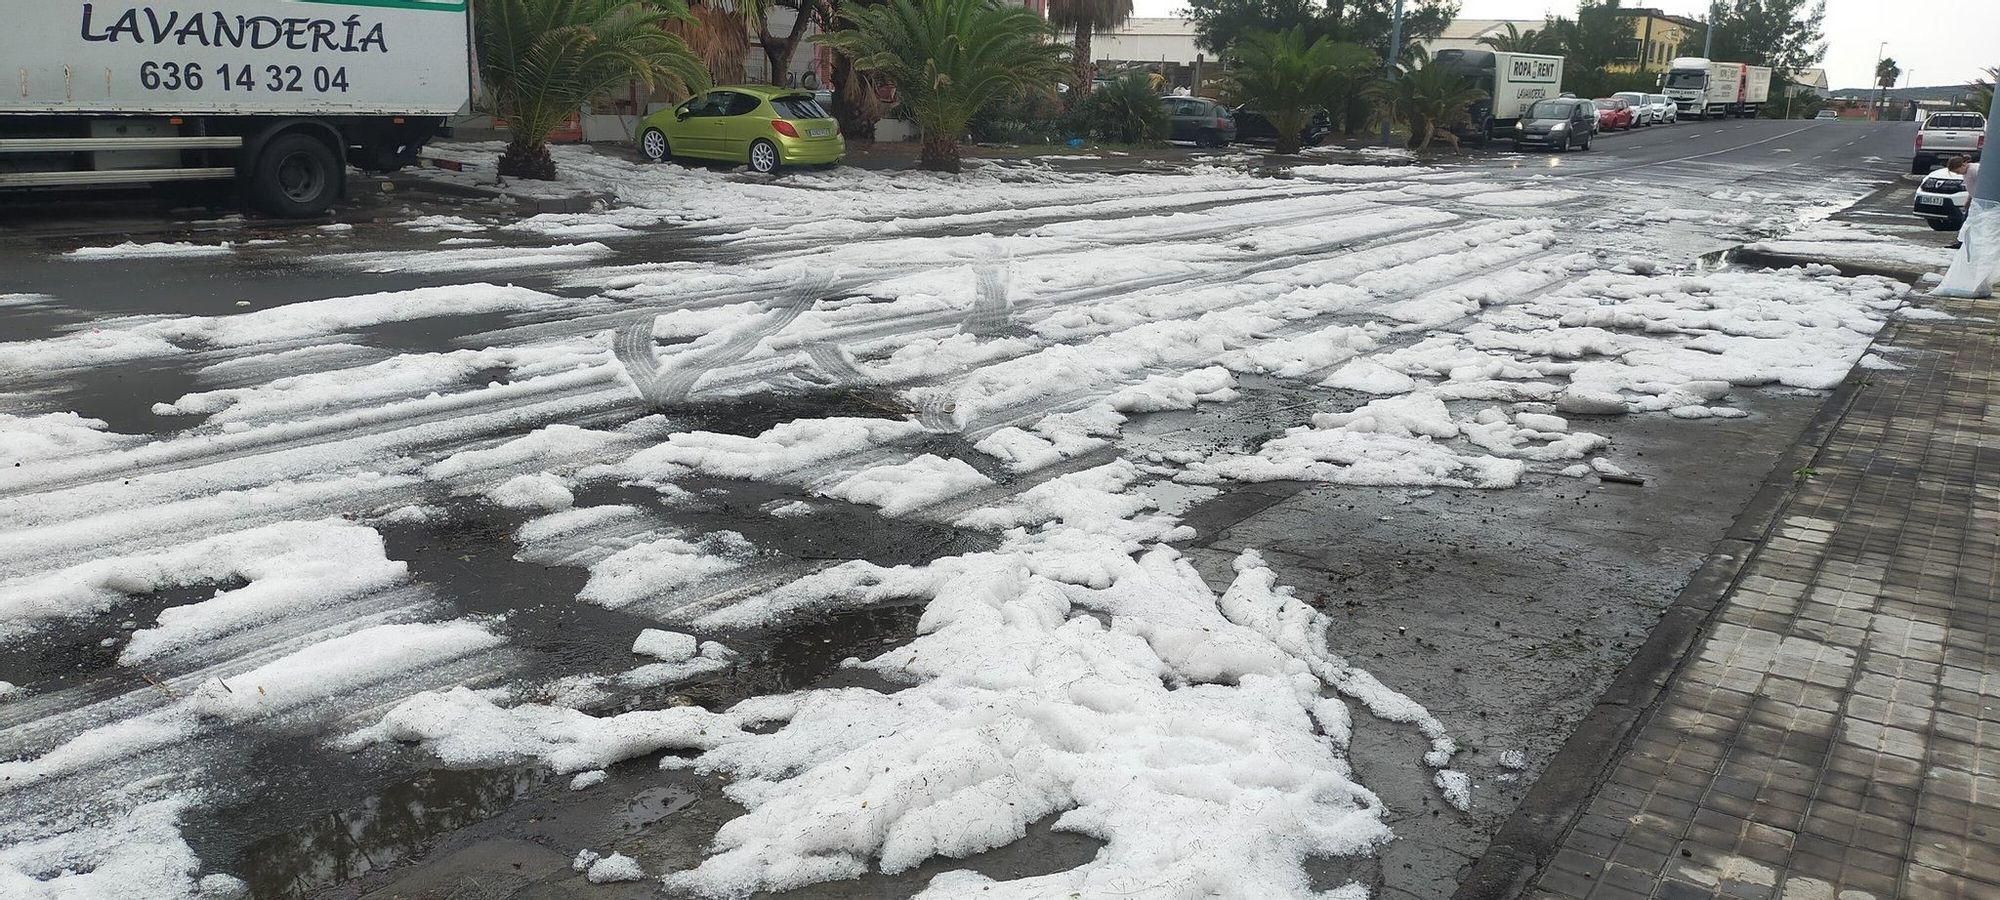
<point x="1664" y="110"/>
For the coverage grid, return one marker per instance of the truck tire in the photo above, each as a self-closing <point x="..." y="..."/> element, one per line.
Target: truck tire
<point x="1920" y="165"/>
<point x="296" y="177"/>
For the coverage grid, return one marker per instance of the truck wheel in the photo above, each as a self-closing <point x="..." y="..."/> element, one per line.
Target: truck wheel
<point x="1920" y="166"/>
<point x="763" y="157"/>
<point x="296" y="177"/>
<point x="653" y="145"/>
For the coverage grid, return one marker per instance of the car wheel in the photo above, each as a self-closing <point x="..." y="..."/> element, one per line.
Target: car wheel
<point x="1585" y="146"/>
<point x="653" y="145"/>
<point x="763" y="157"/>
<point x="1207" y="138"/>
<point x="1941" y="225"/>
<point x="1564" y="146"/>
<point x="1518" y="146"/>
<point x="296" y="177"/>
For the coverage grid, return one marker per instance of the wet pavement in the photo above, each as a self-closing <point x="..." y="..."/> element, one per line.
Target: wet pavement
<point x="1571" y="573"/>
<point x="1831" y="731"/>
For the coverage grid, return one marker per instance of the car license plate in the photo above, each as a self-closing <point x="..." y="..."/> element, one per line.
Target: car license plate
<point x="818" y="132"/>
<point x="1930" y="201"/>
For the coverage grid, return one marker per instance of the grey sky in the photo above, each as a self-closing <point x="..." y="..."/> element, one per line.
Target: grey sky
<point x="1938" y="41"/>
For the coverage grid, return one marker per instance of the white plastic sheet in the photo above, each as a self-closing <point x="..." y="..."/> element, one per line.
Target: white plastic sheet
<point x="1977" y="265"/>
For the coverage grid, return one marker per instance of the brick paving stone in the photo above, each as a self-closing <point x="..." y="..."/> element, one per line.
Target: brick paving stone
<point x="1836" y="730"/>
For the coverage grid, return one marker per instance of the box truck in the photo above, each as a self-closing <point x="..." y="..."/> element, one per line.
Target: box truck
<point x="1703" y="88"/>
<point x="1756" y="91"/>
<point x="1512" y="82"/>
<point x="280" y="96"/>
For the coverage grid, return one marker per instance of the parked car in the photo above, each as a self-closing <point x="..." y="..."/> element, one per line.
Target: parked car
<point x="760" y="125"/>
<point x="1205" y="122"/>
<point x="1557" y="124"/>
<point x="1613" y="114"/>
<point x="1665" y="110"/>
<point x="1252" y="126"/>
<point x="1941" y="200"/>
<point x="1825" y="114"/>
<point x="1642" y="109"/>
<point x="1945" y="135"/>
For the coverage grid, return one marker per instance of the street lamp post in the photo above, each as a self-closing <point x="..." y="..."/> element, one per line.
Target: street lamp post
<point x="1395" y="52"/>
<point x="1875" y="111"/>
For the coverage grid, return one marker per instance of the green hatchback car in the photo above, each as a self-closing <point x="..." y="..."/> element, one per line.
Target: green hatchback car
<point x="759" y="125"/>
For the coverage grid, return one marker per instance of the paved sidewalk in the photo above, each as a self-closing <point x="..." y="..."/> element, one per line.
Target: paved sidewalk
<point x="1835" y="733"/>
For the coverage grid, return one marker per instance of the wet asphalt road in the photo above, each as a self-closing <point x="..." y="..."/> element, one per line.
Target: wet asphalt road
<point x="1577" y="570"/>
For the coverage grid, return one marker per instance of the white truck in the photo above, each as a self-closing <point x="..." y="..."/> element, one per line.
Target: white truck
<point x="1703" y="87"/>
<point x="1512" y="82"/>
<point x="1756" y="91"/>
<point x="279" y="95"/>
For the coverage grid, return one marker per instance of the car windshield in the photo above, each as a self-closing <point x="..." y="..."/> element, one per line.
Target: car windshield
<point x="1686" y="79"/>
<point x="1954" y="121"/>
<point x="1656" y="98"/>
<point x="799" y="108"/>
<point x="1549" y="109"/>
<point x="1606" y="104"/>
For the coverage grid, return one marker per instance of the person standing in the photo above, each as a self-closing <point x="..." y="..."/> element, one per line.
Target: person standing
<point x="1964" y="168"/>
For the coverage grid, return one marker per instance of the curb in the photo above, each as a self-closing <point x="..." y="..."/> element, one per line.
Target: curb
<point x="1748" y="257"/>
<point x="409" y="184"/>
<point x="1532" y="835"/>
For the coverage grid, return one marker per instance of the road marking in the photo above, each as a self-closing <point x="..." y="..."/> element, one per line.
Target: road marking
<point x="1682" y="159"/>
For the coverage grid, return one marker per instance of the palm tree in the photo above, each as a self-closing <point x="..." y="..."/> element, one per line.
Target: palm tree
<point x="1281" y="76"/>
<point x="1087" y="17"/>
<point x="949" y="58"/>
<point x="1518" y="41"/>
<point x="717" y="37"/>
<point x="1128" y="110"/>
<point x="1982" y="90"/>
<point x="1886" y="73"/>
<point x="541" y="60"/>
<point x="1428" y="97"/>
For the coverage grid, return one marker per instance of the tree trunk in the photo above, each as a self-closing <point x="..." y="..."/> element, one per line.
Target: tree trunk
<point x="1288" y="142"/>
<point x="1086" y="71"/>
<point x="940" y="153"/>
<point x="778" y="51"/>
<point x="528" y="160"/>
<point x="854" y="103"/>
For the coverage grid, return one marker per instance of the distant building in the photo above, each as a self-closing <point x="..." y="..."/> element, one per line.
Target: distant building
<point x="1147" y="40"/>
<point x="1806" y="81"/>
<point x="1465" y="34"/>
<point x="1656" y="39"/>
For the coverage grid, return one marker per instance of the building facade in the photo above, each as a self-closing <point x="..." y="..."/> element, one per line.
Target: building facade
<point x="1656" y="39"/>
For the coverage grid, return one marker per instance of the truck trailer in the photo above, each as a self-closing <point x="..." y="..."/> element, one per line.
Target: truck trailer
<point x="1702" y="87"/>
<point x="1512" y="82"/>
<point x="280" y="96"/>
<point x="1756" y="91"/>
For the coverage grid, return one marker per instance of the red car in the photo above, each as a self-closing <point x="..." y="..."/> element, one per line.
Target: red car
<point x="1613" y="114"/>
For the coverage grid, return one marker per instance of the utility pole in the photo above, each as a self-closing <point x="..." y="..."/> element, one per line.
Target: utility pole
<point x="1708" y="36"/>
<point x="1395" y="53"/>
<point x="1984" y="206"/>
